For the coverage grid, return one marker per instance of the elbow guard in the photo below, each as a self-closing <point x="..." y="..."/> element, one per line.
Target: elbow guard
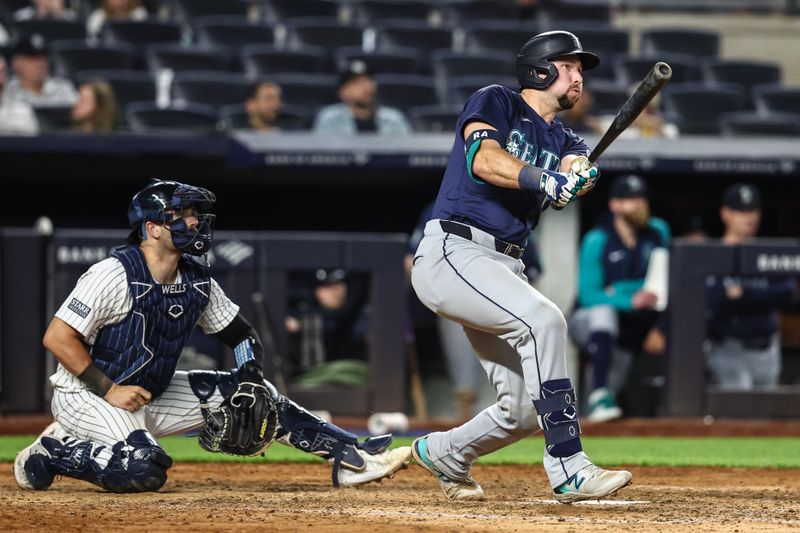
<point x="473" y="142"/>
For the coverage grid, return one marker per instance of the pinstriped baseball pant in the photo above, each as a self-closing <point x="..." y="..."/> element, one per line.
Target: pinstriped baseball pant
<point x="519" y="335"/>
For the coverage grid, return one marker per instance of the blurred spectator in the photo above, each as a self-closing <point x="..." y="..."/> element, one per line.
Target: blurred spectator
<point x="465" y="371"/>
<point x="579" y="118"/>
<point x="16" y="118"/>
<point x="263" y="105"/>
<point x="114" y="10"/>
<point x="45" y="9"/>
<point x="328" y="330"/>
<point x="744" y="350"/>
<point x="649" y="124"/>
<point x="32" y="83"/>
<point x="359" y="110"/>
<point x="614" y="315"/>
<point x="96" y="110"/>
<point x="695" y="229"/>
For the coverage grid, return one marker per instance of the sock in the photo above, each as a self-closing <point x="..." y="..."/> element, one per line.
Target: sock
<point x="599" y="349"/>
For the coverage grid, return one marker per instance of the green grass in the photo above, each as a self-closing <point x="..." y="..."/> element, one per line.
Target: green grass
<point x="772" y="452"/>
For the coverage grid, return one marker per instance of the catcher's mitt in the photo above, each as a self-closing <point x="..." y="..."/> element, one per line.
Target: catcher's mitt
<point x="246" y="421"/>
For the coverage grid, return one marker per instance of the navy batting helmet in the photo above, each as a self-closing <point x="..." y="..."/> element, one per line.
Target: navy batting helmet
<point x="535" y="56"/>
<point x="161" y="201"/>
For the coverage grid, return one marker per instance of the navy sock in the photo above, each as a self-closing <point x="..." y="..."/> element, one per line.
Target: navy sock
<point x="599" y="349"/>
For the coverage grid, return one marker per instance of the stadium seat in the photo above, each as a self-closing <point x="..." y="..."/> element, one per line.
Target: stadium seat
<point x="371" y="12"/>
<point x="748" y="123"/>
<point x="446" y="64"/>
<point x="460" y="88"/>
<point x="290" y="118"/>
<point x="499" y="36"/>
<point x="50" y="29"/>
<point x="408" y="34"/>
<point x="129" y="85"/>
<point x="268" y="60"/>
<point x="434" y="119"/>
<point x="696" y="108"/>
<point x="210" y="87"/>
<point x="71" y="57"/>
<point x="689" y="42"/>
<point x="191" y="119"/>
<point x="141" y="33"/>
<point x="775" y="97"/>
<point x="393" y="61"/>
<point x="404" y="91"/>
<point x="310" y="91"/>
<point x="286" y="10"/>
<point x="466" y="12"/>
<point x="630" y="70"/>
<point x="189" y="10"/>
<point x="608" y="97"/>
<point x="605" y="41"/>
<point x="180" y="59"/>
<point x="53" y="119"/>
<point x="746" y="73"/>
<point x="552" y="14"/>
<point x="325" y="32"/>
<point x="232" y="32"/>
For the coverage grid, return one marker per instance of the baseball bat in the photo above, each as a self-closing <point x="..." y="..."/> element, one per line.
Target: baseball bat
<point x="658" y="76"/>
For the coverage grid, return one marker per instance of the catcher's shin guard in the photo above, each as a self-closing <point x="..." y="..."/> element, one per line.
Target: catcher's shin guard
<point x="305" y="431"/>
<point x="559" y="418"/>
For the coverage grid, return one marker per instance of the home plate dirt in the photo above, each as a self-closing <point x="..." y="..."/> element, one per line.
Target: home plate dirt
<point x="298" y="497"/>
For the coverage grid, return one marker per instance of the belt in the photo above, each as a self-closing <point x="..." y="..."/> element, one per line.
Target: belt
<point x="465" y="232"/>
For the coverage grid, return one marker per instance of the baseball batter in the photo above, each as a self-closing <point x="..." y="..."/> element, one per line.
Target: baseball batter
<point x="509" y="161"/>
<point x="118" y="337"/>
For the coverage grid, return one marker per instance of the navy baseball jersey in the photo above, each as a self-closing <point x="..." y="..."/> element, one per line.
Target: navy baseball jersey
<point x="509" y="214"/>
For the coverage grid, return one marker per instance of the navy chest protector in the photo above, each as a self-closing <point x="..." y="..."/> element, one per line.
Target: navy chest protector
<point x="143" y="349"/>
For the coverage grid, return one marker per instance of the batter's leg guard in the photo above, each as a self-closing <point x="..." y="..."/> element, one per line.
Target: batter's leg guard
<point x="559" y="418"/>
<point x="305" y="431"/>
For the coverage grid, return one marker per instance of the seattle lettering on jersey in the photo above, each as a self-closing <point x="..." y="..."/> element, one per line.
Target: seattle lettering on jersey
<point x="177" y="288"/>
<point x="529" y="153"/>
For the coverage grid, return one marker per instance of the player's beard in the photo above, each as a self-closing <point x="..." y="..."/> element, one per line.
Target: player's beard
<point x="567" y="101"/>
<point x="638" y="218"/>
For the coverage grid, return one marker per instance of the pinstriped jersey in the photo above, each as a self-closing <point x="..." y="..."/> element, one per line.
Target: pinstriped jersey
<point x="102" y="296"/>
<point x="509" y="214"/>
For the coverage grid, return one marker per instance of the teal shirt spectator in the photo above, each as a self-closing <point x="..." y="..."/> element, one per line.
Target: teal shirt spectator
<point x="609" y="273"/>
<point x="337" y="118"/>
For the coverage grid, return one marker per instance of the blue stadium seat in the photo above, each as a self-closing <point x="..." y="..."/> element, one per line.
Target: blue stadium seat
<point x="129" y="85"/>
<point x="460" y="88"/>
<point x="53" y="119"/>
<point x="372" y="12"/>
<point x="500" y="36"/>
<point x="50" y="29"/>
<point x="308" y="90"/>
<point x="696" y="107"/>
<point x="291" y="118"/>
<point x="630" y="70"/>
<point x="325" y="32"/>
<point x="467" y="12"/>
<point x="552" y="14"/>
<point x="434" y="119"/>
<point x="608" y="97"/>
<point x="490" y="63"/>
<point x="232" y="32"/>
<point x="286" y="10"/>
<point x="142" y="33"/>
<point x="190" y="119"/>
<point x="746" y="73"/>
<point x="71" y="57"/>
<point x="268" y="60"/>
<point x="392" y="61"/>
<point x="210" y="87"/>
<point x="748" y="123"/>
<point x="688" y="42"/>
<point x="404" y="91"/>
<point x="775" y="97"/>
<point x="179" y="58"/>
<point x="605" y="41"/>
<point x="189" y="10"/>
<point x="409" y="34"/>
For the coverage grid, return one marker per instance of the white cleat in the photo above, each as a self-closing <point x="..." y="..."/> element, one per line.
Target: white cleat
<point x="376" y="467"/>
<point x="455" y="489"/>
<point x="592" y="483"/>
<point x="53" y="430"/>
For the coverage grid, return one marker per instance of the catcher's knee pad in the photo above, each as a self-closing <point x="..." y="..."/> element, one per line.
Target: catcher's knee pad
<point x="138" y="464"/>
<point x="305" y="431"/>
<point x="559" y="418"/>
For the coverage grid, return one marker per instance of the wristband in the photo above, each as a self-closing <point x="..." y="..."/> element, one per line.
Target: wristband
<point x="95" y="380"/>
<point x="530" y="177"/>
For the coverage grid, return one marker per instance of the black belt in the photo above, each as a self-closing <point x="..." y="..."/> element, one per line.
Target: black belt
<point x="465" y="232"/>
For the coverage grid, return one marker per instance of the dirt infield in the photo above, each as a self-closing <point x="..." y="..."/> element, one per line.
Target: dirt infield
<point x="281" y="497"/>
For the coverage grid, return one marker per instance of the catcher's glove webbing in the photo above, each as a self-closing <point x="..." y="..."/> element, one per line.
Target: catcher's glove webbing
<point x="246" y="421"/>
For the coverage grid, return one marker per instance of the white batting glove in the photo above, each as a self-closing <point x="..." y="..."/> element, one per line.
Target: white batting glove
<point x="583" y="168"/>
<point x="561" y="188"/>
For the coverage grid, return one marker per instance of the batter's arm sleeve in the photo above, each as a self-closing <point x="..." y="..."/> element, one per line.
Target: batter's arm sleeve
<point x="591" y="278"/>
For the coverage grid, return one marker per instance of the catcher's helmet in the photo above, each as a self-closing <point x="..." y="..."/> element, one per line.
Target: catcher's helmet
<point x="535" y="58"/>
<point x="161" y="200"/>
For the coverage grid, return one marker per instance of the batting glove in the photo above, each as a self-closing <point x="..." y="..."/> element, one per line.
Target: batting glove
<point x="561" y="188"/>
<point x="584" y="169"/>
